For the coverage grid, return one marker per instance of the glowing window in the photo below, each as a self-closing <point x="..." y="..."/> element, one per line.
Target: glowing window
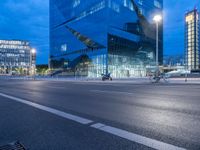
<point x="189" y="18"/>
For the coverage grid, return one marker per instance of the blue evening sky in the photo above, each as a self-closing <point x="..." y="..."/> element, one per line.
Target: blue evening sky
<point x="174" y="13"/>
<point x="29" y="20"/>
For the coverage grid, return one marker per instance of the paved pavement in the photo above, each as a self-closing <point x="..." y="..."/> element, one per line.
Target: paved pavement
<point x="139" y="80"/>
<point x="124" y="115"/>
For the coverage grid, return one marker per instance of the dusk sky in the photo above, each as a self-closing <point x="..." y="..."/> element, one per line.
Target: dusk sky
<point x="29" y="20"/>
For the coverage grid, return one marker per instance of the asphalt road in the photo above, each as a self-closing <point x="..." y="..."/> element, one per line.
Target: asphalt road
<point x="169" y="113"/>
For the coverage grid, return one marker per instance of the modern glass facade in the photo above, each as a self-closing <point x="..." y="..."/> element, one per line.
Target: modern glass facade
<point x="15" y="55"/>
<point x="91" y="37"/>
<point x="192" y="48"/>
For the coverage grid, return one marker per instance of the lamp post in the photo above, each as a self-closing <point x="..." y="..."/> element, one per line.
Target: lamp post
<point x="186" y="68"/>
<point x="157" y="19"/>
<point x="33" y="61"/>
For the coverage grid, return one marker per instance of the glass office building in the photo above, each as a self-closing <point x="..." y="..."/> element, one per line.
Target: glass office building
<point x="192" y="40"/>
<point x="15" y="56"/>
<point x="91" y="37"/>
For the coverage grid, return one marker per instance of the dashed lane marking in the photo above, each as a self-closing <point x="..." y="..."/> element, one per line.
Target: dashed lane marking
<point x="136" y="138"/>
<point x="99" y="126"/>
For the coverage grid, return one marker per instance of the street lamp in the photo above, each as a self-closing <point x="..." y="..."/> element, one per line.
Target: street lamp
<point x="33" y="51"/>
<point x="33" y="57"/>
<point x="157" y="19"/>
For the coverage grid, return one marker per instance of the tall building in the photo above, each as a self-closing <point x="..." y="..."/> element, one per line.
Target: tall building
<point x="91" y="37"/>
<point x="192" y="40"/>
<point x="16" y="57"/>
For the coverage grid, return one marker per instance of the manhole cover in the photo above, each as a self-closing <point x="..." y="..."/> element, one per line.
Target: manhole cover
<point x="13" y="146"/>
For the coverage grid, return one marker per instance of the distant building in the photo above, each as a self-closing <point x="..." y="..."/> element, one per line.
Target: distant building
<point x="192" y="40"/>
<point x="174" y="60"/>
<point x="91" y="37"/>
<point x="16" y="57"/>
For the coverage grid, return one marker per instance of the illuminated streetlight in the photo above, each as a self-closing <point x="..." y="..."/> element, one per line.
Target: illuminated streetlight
<point x="33" y="51"/>
<point x="157" y="19"/>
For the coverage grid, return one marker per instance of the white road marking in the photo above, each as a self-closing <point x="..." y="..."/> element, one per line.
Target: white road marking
<point x="118" y="92"/>
<point x="115" y="84"/>
<point x="50" y="110"/>
<point x="136" y="138"/>
<point x="93" y="83"/>
<point x="108" y="129"/>
<point x="98" y="125"/>
<point x="56" y="87"/>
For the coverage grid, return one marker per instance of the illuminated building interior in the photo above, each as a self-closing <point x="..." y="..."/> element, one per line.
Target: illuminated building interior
<point x="192" y="40"/>
<point x="15" y="57"/>
<point x="91" y="37"/>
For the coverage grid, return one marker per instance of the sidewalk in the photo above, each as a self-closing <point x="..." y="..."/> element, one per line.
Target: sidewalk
<point x="183" y="81"/>
<point x="139" y="80"/>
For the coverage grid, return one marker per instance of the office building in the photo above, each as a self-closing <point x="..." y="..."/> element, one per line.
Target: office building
<point x="16" y="57"/>
<point x="174" y="60"/>
<point x="192" y="40"/>
<point x="91" y="37"/>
